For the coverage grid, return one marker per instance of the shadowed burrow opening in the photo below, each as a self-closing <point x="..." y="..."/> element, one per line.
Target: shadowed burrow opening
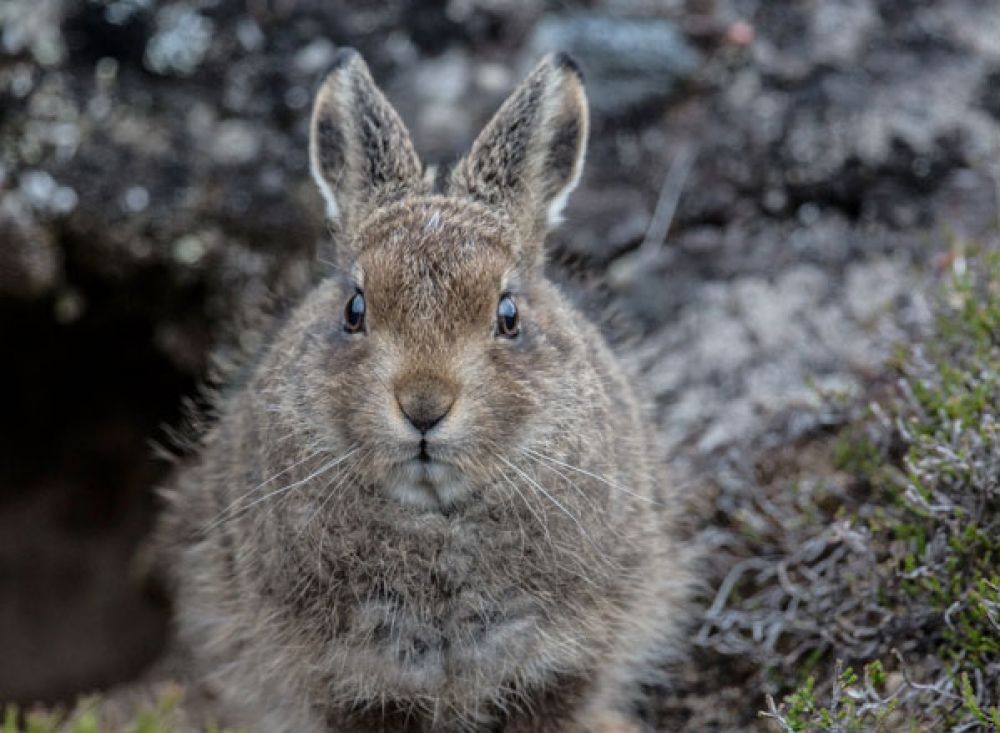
<point x="86" y="393"/>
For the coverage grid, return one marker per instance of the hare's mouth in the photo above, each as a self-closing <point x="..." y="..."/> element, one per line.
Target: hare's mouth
<point x="426" y="457"/>
<point x="426" y="482"/>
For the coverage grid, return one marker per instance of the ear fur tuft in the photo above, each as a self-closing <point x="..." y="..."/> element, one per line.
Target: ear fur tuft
<point x="564" y="61"/>
<point x="343" y="56"/>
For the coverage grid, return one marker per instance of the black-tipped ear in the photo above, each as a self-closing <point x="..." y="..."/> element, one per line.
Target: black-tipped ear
<point x="529" y="157"/>
<point x="360" y="152"/>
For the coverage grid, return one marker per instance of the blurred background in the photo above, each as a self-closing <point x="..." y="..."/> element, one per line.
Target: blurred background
<point x="770" y="184"/>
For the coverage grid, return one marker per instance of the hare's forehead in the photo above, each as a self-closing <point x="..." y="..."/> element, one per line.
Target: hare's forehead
<point x="432" y="278"/>
<point x="437" y="252"/>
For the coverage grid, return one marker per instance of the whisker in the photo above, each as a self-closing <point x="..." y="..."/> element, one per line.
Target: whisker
<point x="284" y="489"/>
<point x="332" y="486"/>
<point x="336" y="474"/>
<point x="336" y="483"/>
<point x="541" y="521"/>
<point x="554" y="501"/>
<point x="595" y="510"/>
<point x="233" y="504"/>
<point x="592" y="475"/>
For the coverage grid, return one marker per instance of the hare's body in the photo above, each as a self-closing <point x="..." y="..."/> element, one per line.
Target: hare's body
<point x="417" y="523"/>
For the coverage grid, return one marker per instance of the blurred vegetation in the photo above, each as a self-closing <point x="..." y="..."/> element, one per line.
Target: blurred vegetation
<point x="90" y="715"/>
<point x="927" y="457"/>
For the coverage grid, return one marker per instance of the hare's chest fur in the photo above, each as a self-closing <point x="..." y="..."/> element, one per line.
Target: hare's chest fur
<point x="419" y="647"/>
<point x="451" y="599"/>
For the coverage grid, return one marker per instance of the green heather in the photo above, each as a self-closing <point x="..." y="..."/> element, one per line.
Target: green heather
<point x="926" y="457"/>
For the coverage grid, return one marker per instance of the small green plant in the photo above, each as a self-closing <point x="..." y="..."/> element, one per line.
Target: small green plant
<point x="855" y="704"/>
<point x="989" y="717"/>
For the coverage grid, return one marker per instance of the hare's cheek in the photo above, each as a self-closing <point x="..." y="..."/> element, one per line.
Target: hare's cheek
<point x="339" y="341"/>
<point x="349" y="382"/>
<point x="529" y="363"/>
<point x="510" y="400"/>
<point x="345" y="354"/>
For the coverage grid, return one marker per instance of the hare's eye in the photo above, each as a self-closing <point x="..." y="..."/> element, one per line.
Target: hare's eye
<point x="354" y="314"/>
<point x="508" y="324"/>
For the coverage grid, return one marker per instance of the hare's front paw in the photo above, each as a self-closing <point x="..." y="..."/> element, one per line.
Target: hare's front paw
<point x="607" y="721"/>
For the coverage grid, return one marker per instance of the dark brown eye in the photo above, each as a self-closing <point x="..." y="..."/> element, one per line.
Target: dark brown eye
<point x="508" y="324"/>
<point x="354" y="314"/>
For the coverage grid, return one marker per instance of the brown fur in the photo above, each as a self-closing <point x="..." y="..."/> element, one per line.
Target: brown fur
<point x="529" y="581"/>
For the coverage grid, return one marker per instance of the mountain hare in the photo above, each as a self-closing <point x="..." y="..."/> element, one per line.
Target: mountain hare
<point x="434" y="505"/>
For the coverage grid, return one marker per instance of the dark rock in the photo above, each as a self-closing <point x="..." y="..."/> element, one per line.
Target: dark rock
<point x="628" y="63"/>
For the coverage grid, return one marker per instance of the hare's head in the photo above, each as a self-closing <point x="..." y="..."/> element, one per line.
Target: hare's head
<point x="446" y="351"/>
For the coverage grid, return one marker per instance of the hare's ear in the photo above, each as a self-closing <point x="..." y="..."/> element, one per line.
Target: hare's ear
<point x="360" y="152"/>
<point x="529" y="157"/>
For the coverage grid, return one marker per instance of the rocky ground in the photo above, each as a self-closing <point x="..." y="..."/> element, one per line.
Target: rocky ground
<point x="772" y="189"/>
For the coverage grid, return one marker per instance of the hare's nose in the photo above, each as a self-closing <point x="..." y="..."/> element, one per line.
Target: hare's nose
<point x="423" y="406"/>
<point x="422" y="423"/>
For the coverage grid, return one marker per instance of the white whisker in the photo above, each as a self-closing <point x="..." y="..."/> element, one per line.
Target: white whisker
<point x="541" y="521"/>
<point x="594" y="476"/>
<point x="554" y="501"/>
<point x="235" y="502"/>
<point x="284" y="489"/>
